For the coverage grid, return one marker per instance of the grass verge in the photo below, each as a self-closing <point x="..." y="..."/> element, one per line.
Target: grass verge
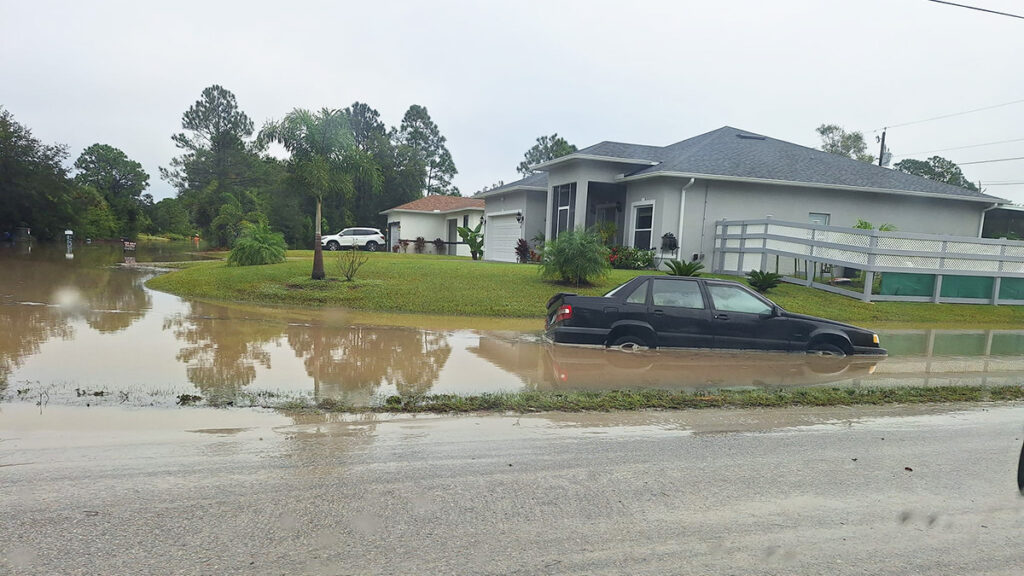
<point x="443" y="285"/>
<point x="632" y="400"/>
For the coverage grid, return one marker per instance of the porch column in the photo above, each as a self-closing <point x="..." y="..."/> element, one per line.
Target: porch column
<point x="581" y="206"/>
<point x="548" y="219"/>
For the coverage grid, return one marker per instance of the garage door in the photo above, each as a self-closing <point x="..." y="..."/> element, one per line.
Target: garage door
<point x="500" y="238"/>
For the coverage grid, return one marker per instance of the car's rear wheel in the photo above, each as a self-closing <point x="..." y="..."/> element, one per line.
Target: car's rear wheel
<point x="371" y="246"/>
<point x="333" y="246"/>
<point x="629" y="342"/>
<point x="826" y="349"/>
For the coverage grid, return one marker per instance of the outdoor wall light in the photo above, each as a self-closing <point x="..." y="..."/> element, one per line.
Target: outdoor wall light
<point x="519" y="217"/>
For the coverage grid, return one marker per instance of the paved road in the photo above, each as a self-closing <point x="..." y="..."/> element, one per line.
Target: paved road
<point x="194" y="491"/>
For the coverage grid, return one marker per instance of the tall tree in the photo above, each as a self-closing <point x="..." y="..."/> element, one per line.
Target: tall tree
<point x="936" y="168"/>
<point x="318" y="143"/>
<point x="546" y="148"/>
<point x="218" y="156"/>
<point x="420" y="133"/>
<point x="35" y="190"/>
<point x="119" y="180"/>
<point x="836" y="140"/>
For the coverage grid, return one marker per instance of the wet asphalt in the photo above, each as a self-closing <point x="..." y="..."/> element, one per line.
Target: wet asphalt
<point x="798" y="491"/>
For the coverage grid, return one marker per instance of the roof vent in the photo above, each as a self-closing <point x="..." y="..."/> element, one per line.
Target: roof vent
<point x="750" y="136"/>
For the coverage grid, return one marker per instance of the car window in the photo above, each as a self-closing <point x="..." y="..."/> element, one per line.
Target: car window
<point x="677" y="293"/>
<point x="639" y="296"/>
<point x="346" y="232"/>
<point x="735" y="299"/>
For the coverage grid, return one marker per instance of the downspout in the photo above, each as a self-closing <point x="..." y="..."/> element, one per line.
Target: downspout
<point x="682" y="206"/>
<point x="981" y="225"/>
<point x="703" y="224"/>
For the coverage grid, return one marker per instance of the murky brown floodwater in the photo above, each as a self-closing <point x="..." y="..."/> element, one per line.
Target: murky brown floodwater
<point x="86" y="330"/>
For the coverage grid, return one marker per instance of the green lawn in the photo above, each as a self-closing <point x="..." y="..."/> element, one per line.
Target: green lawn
<point x="459" y="286"/>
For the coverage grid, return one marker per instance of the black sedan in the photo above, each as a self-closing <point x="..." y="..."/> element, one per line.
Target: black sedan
<point x="684" y="312"/>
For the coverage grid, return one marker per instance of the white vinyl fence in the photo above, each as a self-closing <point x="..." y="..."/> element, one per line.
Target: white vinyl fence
<point x="872" y="265"/>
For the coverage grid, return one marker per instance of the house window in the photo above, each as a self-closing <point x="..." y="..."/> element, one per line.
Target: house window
<point x="643" y="221"/>
<point x="564" y="208"/>
<point x="465" y="221"/>
<point x="819" y="218"/>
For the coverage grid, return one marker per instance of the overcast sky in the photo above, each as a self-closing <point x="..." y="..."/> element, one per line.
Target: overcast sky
<point x="494" y="76"/>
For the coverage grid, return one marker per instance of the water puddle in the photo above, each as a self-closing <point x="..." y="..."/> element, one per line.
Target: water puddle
<point x="86" y="331"/>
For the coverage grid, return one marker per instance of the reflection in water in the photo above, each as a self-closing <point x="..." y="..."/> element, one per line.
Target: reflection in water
<point x="221" y="350"/>
<point x="1020" y="471"/>
<point x="25" y="329"/>
<point x="351" y="363"/>
<point x="549" y="366"/>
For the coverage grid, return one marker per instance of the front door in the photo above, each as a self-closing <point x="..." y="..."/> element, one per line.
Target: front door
<point x="453" y="236"/>
<point x="742" y="320"/>
<point x="679" y="314"/>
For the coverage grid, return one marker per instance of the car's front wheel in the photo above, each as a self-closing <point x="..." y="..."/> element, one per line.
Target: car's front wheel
<point x="371" y="246"/>
<point x="826" y="349"/>
<point x="333" y="246"/>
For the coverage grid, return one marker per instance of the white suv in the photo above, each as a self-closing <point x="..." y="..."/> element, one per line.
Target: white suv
<point x="369" y="238"/>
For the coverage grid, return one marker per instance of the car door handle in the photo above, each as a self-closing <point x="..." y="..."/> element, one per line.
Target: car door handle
<point x="721" y="316"/>
<point x="659" y="312"/>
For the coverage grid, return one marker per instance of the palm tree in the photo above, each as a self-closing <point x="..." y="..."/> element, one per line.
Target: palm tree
<point x="318" y="143"/>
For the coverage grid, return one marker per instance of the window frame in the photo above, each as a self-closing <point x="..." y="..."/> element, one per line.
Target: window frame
<point x="711" y="298"/>
<point x="634" y="208"/>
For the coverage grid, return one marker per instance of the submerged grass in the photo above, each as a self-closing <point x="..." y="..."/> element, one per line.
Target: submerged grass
<point x="445" y="285"/>
<point x="631" y="400"/>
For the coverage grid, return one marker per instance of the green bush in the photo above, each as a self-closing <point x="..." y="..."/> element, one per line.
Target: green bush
<point x="763" y="281"/>
<point x="627" y="258"/>
<point x="677" y="268"/>
<point x="576" y="256"/>
<point x="258" y="245"/>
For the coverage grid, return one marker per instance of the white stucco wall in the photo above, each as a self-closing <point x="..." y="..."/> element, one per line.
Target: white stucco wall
<point x="432" y="225"/>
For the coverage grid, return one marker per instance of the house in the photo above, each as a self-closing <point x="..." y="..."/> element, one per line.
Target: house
<point x="682" y="189"/>
<point x="434" y="217"/>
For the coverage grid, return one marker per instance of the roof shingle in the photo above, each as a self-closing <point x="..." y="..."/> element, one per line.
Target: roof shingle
<point x="440" y="203"/>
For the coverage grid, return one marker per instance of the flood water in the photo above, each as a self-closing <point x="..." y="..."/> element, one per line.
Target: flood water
<point x="87" y="330"/>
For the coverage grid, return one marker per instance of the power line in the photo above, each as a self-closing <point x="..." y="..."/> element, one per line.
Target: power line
<point x="988" y="161"/>
<point x="977" y="8"/>
<point x="960" y="147"/>
<point x="949" y="115"/>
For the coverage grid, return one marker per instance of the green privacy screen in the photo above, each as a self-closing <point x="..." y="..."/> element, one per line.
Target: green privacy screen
<point x="1011" y="289"/>
<point x="897" y="284"/>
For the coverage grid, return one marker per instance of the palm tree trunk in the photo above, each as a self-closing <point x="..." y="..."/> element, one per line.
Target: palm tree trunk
<point x="318" y="251"/>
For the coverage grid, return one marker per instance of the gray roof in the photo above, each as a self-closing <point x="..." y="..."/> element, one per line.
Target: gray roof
<point x="535" y="180"/>
<point x="732" y="153"/>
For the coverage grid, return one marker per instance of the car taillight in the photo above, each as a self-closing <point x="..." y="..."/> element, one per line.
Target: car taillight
<point x="564" y="313"/>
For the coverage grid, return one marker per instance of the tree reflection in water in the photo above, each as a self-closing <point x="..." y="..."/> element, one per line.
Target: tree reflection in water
<point x="223" y="348"/>
<point x="26" y="328"/>
<point x="352" y="363"/>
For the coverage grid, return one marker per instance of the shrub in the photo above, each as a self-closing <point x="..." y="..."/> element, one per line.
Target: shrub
<point x="439" y="246"/>
<point x="473" y="238"/>
<point x="523" y="251"/>
<point x="258" y="245"/>
<point x="420" y="244"/>
<point x="575" y="256"/>
<point x="763" y="281"/>
<point x="405" y="245"/>
<point x="677" y="268"/>
<point x="350" y="261"/>
<point x="395" y="248"/>
<point x="627" y="258"/>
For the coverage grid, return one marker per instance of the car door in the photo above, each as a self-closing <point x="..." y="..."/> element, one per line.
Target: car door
<point x="743" y="320"/>
<point x="679" y="314"/>
<point x="348" y="238"/>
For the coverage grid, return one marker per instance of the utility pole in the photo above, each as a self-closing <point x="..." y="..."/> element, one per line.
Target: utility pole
<point x="881" y="151"/>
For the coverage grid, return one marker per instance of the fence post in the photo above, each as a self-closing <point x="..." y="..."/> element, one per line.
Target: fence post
<point x="743" y="249"/>
<point x="869" y="271"/>
<point x="996" y="282"/>
<point x="937" y="292"/>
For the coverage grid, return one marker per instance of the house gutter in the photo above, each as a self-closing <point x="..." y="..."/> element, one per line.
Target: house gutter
<point x="981" y="225"/>
<point x="682" y="206"/>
